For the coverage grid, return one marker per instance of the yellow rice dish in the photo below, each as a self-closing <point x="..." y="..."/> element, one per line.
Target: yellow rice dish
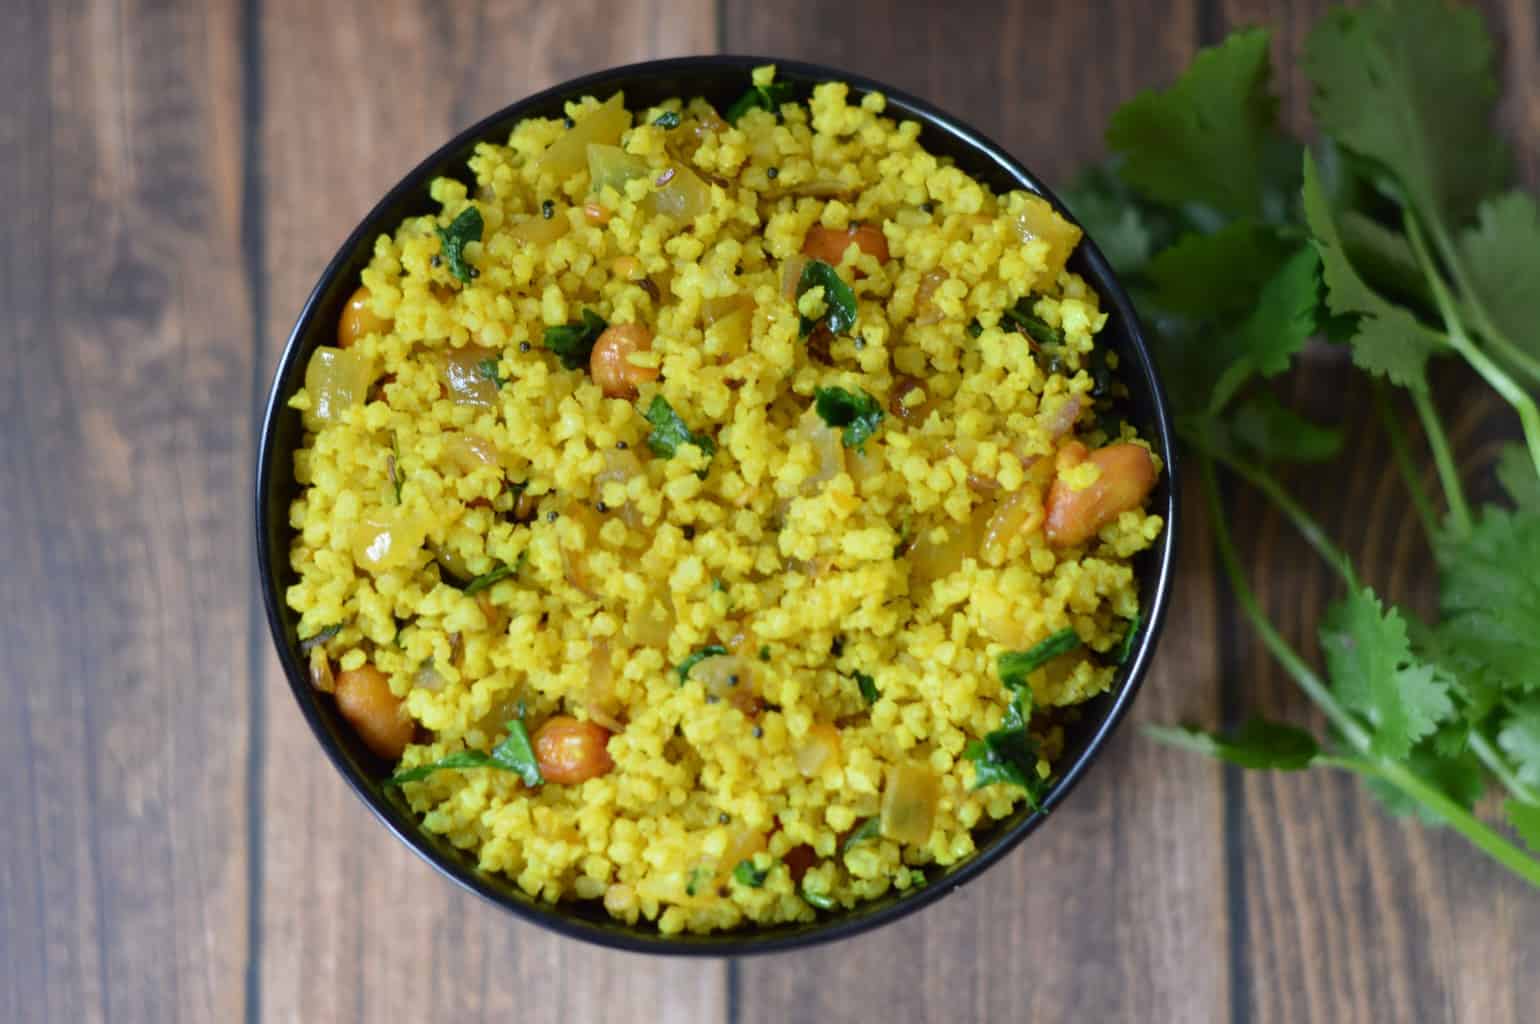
<point x="720" y="496"/>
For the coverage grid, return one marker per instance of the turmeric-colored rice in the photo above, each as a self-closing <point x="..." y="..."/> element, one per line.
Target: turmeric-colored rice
<point x="449" y="443"/>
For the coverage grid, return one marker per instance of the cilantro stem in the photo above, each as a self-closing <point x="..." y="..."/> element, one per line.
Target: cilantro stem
<point x="1482" y="320"/>
<point x="1496" y="376"/>
<point x="1308" y="681"/>
<point x="1308" y="528"/>
<point x="1498" y="766"/>
<point x="1443" y="459"/>
<point x="1479" y="833"/>
<point x="1404" y="461"/>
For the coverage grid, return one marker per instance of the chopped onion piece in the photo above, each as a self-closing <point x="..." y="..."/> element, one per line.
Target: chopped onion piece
<point x="569" y="153"/>
<point x="909" y="803"/>
<point x="820" y="749"/>
<point x="336" y="380"/>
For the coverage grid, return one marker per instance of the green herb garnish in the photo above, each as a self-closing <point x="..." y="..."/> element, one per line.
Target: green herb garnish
<point x="666" y="120"/>
<point x="463" y="230"/>
<point x="1015" y="666"/>
<point x="747" y="874"/>
<point x="1126" y="648"/>
<point x="871" y="828"/>
<point x="1400" y="237"/>
<point x="917" y="879"/>
<point x="761" y="97"/>
<point x="839" y="298"/>
<point x="487" y="369"/>
<point x="573" y="343"/>
<point x="486" y="579"/>
<point x="696" y="657"/>
<point x="822" y="901"/>
<point x="857" y="412"/>
<point x="1032" y="325"/>
<point x="1009" y="754"/>
<point x="393" y="468"/>
<point x="515" y="754"/>
<point x="764" y="652"/>
<point x="322" y="637"/>
<point x="669" y="432"/>
<point x="975" y="329"/>
<point x="698" y="876"/>
<point x="867" y="686"/>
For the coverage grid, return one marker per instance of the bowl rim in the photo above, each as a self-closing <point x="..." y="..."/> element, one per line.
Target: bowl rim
<point x="845" y="923"/>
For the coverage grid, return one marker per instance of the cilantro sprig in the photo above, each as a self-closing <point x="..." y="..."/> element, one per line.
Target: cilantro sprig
<point x="1397" y="235"/>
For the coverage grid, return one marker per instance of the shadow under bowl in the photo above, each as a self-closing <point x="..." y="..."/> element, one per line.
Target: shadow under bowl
<point x="720" y="79"/>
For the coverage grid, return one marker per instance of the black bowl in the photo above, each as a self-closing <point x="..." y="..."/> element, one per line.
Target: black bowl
<point x="720" y="80"/>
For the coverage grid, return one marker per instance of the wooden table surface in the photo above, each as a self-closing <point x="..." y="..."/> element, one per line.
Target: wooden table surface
<point x="178" y="848"/>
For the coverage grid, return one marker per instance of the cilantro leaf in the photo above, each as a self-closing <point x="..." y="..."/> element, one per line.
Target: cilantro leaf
<point x="696" y="657"/>
<point x="857" y="412"/>
<point x="1278" y="327"/>
<point x="1525" y="819"/>
<point x="745" y="873"/>
<point x="1126" y="230"/>
<point x="463" y="230"/>
<point x="1015" y="666"/>
<point x="867" y="686"/>
<point x="669" y="432"/>
<point x="486" y="579"/>
<point x="573" y="342"/>
<point x="1409" y="85"/>
<point x="1260" y="744"/>
<point x="1389" y="341"/>
<point x="1520" y="740"/>
<point x="514" y="754"/>
<point x="1499" y="255"/>
<point x="1203" y="139"/>
<point x="1489" y="597"/>
<point x="1516" y="474"/>
<point x="1206" y="275"/>
<point x="1261" y="424"/>
<point x="871" y="828"/>
<point x="1369" y="659"/>
<point x="838" y="297"/>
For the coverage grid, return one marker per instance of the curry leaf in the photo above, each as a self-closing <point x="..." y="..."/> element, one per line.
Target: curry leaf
<point x="669" y="432"/>
<point x="696" y="657"/>
<point x="839" y="298"/>
<point x="1015" y="666"/>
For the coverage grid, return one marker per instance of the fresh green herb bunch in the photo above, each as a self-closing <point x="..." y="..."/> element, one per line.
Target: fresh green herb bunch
<point x="1396" y="234"/>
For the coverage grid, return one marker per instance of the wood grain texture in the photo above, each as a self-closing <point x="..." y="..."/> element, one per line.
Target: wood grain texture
<point x="177" y="175"/>
<point x="125" y="365"/>
<point x="1375" y="912"/>
<point x="1061" y="928"/>
<point x="354" y="927"/>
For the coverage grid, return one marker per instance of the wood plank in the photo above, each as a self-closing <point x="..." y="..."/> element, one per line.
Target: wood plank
<point x="1116" y="910"/>
<point x="1375" y="914"/>
<point x="124" y="473"/>
<point x="354" y="926"/>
